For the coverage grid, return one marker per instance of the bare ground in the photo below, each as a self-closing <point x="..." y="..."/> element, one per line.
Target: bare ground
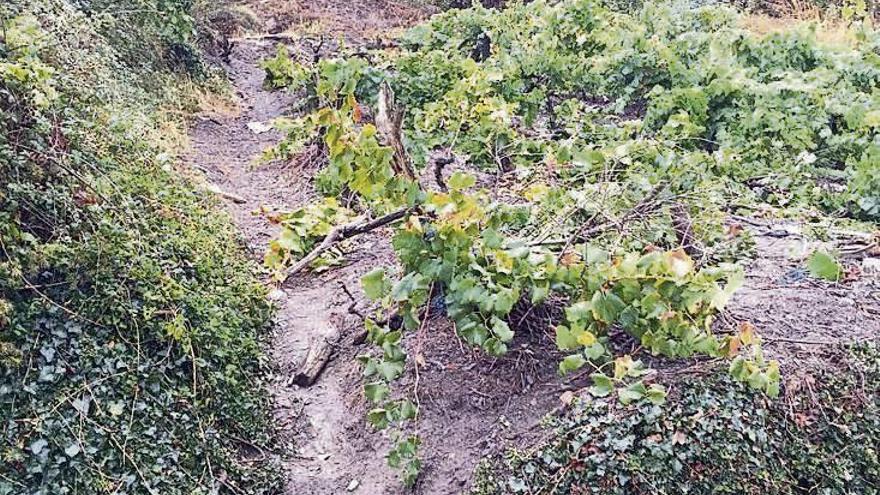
<point x="472" y="405"/>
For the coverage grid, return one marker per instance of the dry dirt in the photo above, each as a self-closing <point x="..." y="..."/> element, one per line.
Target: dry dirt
<point x="472" y="405"/>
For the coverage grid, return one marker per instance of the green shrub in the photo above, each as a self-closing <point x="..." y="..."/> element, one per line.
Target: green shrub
<point x="130" y="322"/>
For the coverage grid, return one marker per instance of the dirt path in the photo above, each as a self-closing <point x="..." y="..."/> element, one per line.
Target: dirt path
<point x="314" y="422"/>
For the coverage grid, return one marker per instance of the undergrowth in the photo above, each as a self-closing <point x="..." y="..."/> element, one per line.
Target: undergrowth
<point x="714" y="436"/>
<point x="130" y="322"/>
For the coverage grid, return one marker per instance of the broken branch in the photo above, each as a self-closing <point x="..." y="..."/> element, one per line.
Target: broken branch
<point x="343" y="232"/>
<point x="389" y="123"/>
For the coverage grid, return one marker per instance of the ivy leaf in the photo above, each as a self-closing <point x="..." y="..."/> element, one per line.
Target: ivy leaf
<point x="117" y="408"/>
<point x="823" y="265"/>
<point x="72" y="450"/>
<point x="571" y="363"/>
<point x="82" y="405"/>
<point x="38" y="446"/>
<point x="375" y="284"/>
<point x="376" y="392"/>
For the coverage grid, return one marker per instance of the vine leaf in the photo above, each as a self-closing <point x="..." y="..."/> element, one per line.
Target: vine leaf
<point x="376" y="284"/>
<point x="823" y="265"/>
<point x="571" y="363"/>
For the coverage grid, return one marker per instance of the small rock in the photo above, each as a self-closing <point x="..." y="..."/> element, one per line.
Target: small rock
<point x="567" y="397"/>
<point x="353" y="485"/>
<point x="277" y="295"/>
<point x="259" y="127"/>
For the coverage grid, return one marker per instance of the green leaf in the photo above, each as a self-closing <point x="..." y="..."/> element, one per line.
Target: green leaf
<point x="633" y="392"/>
<point x="389" y="370"/>
<point x="571" y="363"/>
<point x="501" y="329"/>
<point x="607" y="306"/>
<point x="491" y="239"/>
<point x="579" y="312"/>
<point x="504" y="301"/>
<point x="495" y="347"/>
<point x="378" y="418"/>
<point x="376" y="392"/>
<point x="602" y="385"/>
<point x="376" y="284"/>
<point x="408" y="410"/>
<point x="460" y="181"/>
<point x="656" y="394"/>
<point x="595" y="351"/>
<point x="408" y="285"/>
<point x="823" y="265"/>
<point x="565" y="341"/>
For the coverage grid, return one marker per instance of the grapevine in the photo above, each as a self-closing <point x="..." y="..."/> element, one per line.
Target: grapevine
<point x="623" y="138"/>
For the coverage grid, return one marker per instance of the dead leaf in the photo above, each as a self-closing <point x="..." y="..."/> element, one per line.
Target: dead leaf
<point x="734" y="230"/>
<point x="567" y="397"/>
<point x="746" y="333"/>
<point x="679" y="438"/>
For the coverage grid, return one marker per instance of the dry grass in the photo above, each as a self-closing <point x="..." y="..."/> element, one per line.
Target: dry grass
<point x="828" y="32"/>
<point x="213" y="104"/>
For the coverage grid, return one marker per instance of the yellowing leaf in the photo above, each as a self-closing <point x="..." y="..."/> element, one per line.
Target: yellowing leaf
<point x="746" y="333"/>
<point x="679" y="263"/>
<point x="586" y="339"/>
<point x="622" y="366"/>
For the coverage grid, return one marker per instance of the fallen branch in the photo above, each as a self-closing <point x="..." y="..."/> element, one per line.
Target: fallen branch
<point x="320" y="352"/>
<point x="235" y="198"/>
<point x="343" y="232"/>
<point x="644" y="206"/>
<point x="683" y="225"/>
